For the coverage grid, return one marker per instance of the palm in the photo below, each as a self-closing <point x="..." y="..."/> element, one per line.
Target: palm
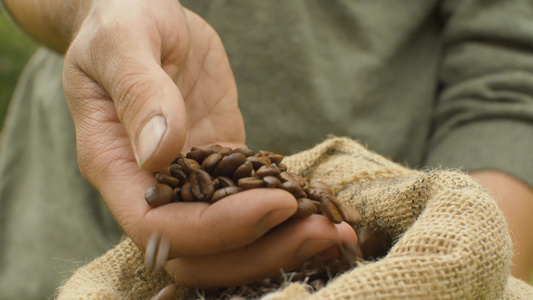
<point x="209" y="91"/>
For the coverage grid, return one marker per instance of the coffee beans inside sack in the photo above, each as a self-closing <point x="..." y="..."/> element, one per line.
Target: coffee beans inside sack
<point x="209" y="174"/>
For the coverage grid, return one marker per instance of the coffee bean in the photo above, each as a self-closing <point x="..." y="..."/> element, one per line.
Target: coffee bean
<point x="223" y="192"/>
<point x="248" y="183"/>
<point x="332" y="209"/>
<point x="229" y="164"/>
<point x="318" y="205"/>
<point x="351" y="215"/>
<point x="187" y="164"/>
<point x="274" y="157"/>
<point x="267" y="170"/>
<point x="211" y="161"/>
<point x="159" y="194"/>
<point x="272" y="182"/>
<point x="282" y="167"/>
<point x="198" y="154"/>
<point x="167" y="179"/>
<point x="322" y="186"/>
<point x="222" y="182"/>
<point x="294" y="188"/>
<point x="305" y="208"/>
<point x="247" y="152"/>
<point x="220" y="149"/>
<point x="318" y="190"/>
<point x="244" y="170"/>
<point x="177" y="172"/>
<point x="258" y="161"/>
<point x="186" y="193"/>
<point x="202" y="186"/>
<point x="289" y="176"/>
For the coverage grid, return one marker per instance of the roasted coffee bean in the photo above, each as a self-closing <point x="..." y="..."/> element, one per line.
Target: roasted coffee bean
<point x="282" y="167"/>
<point x="159" y="194"/>
<point x="318" y="205"/>
<point x="220" y="149"/>
<point x="318" y="190"/>
<point x="305" y="208"/>
<point x="223" y="192"/>
<point x="199" y="154"/>
<point x="274" y="157"/>
<point x="294" y="188"/>
<point x="177" y="172"/>
<point x="222" y="182"/>
<point x="168" y="180"/>
<point x="247" y="152"/>
<point x="244" y="170"/>
<point x="187" y="164"/>
<point x="332" y="209"/>
<point x="272" y="182"/>
<point x="248" y="183"/>
<point x="267" y="170"/>
<point x="229" y="164"/>
<point x="186" y="193"/>
<point x="211" y="161"/>
<point x="351" y="215"/>
<point x="289" y="176"/>
<point x="258" y="161"/>
<point x="202" y="185"/>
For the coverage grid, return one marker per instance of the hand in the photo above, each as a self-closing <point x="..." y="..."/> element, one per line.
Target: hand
<point x="296" y="242"/>
<point x="145" y="81"/>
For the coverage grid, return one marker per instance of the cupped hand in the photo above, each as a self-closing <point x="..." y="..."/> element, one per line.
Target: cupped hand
<point x="145" y="81"/>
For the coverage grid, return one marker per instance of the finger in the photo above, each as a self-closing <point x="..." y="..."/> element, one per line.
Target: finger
<point x="285" y="248"/>
<point x="156" y="254"/>
<point x="136" y="71"/>
<point x="235" y="221"/>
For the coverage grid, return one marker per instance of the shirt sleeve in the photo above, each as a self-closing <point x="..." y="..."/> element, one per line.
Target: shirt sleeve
<point x="484" y="109"/>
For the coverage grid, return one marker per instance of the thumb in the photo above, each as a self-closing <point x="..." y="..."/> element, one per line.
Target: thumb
<point x="152" y="111"/>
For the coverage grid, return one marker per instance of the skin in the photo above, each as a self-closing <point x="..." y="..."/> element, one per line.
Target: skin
<point x="127" y="62"/>
<point x="515" y="199"/>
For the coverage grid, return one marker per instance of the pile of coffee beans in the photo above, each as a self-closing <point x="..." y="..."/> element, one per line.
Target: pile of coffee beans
<point x="211" y="173"/>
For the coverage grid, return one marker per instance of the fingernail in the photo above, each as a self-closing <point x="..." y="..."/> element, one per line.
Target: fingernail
<point x="149" y="138"/>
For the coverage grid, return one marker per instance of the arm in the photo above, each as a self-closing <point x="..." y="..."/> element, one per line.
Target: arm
<point x="515" y="199"/>
<point x="53" y="24"/>
<point x="484" y="111"/>
<point x="144" y="81"/>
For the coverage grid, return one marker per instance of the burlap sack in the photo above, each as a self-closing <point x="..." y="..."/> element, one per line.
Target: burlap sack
<point x="451" y="240"/>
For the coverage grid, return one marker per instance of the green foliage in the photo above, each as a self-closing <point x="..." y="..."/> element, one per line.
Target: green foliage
<point x="15" y="50"/>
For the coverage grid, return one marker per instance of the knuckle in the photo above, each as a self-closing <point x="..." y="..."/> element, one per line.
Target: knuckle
<point x="129" y="93"/>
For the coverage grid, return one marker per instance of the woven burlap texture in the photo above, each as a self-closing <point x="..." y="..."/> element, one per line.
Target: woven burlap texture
<point x="450" y="238"/>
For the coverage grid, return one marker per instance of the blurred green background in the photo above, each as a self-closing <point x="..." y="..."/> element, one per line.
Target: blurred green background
<point x="15" y="50"/>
